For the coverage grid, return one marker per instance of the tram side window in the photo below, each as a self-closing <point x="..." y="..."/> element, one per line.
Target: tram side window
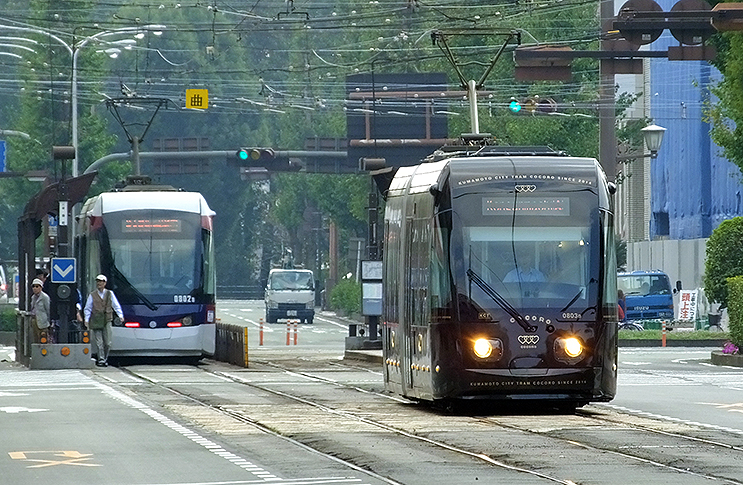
<point x="392" y="265"/>
<point x="441" y="295"/>
<point x="208" y="262"/>
<point x="420" y="264"/>
<point x="610" y="262"/>
<point x="94" y="258"/>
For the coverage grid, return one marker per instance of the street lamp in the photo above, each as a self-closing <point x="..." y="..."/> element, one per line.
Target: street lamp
<point x="157" y="29"/>
<point x="73" y="49"/>
<point x="653" y="135"/>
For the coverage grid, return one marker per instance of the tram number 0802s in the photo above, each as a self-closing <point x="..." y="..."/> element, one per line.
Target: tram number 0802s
<point x="183" y="299"/>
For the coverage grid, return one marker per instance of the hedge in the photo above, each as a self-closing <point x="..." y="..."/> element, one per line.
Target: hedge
<point x="724" y="259"/>
<point x="735" y="310"/>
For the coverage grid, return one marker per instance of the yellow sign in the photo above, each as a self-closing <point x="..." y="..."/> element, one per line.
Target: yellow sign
<point x="197" y="98"/>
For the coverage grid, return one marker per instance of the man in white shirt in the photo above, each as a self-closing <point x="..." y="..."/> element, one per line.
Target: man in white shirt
<point x="526" y="271"/>
<point x="99" y="310"/>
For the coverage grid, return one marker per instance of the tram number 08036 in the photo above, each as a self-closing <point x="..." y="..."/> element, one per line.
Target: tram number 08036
<point x="571" y="316"/>
<point x="184" y="299"/>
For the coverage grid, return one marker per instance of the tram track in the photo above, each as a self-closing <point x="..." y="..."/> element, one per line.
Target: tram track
<point x="403" y="413"/>
<point x="604" y="419"/>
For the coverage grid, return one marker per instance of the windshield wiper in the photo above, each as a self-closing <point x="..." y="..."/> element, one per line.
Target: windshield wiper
<point x="120" y="277"/>
<point x="502" y="302"/>
<point x="575" y="298"/>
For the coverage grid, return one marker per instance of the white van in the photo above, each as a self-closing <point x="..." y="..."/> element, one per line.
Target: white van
<point x="290" y="293"/>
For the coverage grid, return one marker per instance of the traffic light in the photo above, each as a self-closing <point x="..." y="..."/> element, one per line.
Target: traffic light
<point x="532" y="105"/>
<point x="547" y="105"/>
<point x="255" y="156"/>
<point x="268" y="159"/>
<point x="514" y="106"/>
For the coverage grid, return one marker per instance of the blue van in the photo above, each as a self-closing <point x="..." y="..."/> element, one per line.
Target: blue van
<point x="648" y="295"/>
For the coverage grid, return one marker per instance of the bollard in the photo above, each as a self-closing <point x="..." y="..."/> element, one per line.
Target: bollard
<point x="288" y="332"/>
<point x="663" y="334"/>
<point x="261" y="332"/>
<point x="295" y="331"/>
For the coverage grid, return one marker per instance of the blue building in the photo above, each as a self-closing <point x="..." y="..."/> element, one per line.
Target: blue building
<point x="693" y="188"/>
<point x="670" y="205"/>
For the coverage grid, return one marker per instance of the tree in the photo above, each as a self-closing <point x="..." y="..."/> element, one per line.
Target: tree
<point x="724" y="259"/>
<point x="726" y="114"/>
<point x="41" y="108"/>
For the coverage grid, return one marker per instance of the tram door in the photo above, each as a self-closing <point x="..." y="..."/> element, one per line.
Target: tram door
<point x="406" y="319"/>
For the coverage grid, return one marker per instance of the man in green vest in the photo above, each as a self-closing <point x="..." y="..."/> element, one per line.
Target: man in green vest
<point x="99" y="313"/>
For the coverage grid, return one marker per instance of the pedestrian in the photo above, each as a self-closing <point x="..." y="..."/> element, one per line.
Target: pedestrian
<point x="622" y="305"/>
<point x="40" y="308"/>
<point x="99" y="312"/>
<point x="47" y="288"/>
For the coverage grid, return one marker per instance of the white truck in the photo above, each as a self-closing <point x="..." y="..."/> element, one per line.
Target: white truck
<point x="290" y="293"/>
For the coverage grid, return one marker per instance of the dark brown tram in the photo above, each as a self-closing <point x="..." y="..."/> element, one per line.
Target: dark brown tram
<point x="500" y="279"/>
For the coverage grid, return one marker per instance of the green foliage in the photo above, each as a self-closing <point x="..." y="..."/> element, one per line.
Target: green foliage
<point x="8" y="320"/>
<point x="726" y="113"/>
<point x="258" y="68"/>
<point x="735" y="309"/>
<point x="657" y="335"/>
<point x="346" y="297"/>
<point x="724" y="259"/>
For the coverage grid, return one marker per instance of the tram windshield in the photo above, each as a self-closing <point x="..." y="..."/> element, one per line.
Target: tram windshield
<point x="527" y="251"/>
<point x="157" y="257"/>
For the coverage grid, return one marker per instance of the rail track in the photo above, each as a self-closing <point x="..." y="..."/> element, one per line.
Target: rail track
<point x="340" y="410"/>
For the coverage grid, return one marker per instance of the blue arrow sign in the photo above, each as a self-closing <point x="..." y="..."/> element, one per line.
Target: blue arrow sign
<point x="63" y="270"/>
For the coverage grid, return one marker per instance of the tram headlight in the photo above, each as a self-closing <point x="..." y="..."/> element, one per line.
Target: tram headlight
<point x="488" y="349"/>
<point x="568" y="349"/>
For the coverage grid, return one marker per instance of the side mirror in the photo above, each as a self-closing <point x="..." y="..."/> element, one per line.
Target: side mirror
<point x="678" y="285"/>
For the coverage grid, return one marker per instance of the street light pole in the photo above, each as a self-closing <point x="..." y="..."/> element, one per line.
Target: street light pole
<point x="73" y="49"/>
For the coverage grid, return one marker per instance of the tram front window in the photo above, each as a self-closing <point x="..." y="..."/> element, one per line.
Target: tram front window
<point x="532" y="259"/>
<point x="155" y="259"/>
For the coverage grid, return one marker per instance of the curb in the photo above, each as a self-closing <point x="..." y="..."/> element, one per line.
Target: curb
<point x="734" y="360"/>
<point x="373" y="356"/>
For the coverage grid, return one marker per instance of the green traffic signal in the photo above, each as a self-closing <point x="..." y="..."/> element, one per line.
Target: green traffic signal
<point x="514" y="106"/>
<point x="242" y="154"/>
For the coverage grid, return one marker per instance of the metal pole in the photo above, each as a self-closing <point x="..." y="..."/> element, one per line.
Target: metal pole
<point x="472" y="95"/>
<point x="607" y="136"/>
<point x="135" y="155"/>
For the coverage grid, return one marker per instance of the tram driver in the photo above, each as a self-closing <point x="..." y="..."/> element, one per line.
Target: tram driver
<point x="526" y="270"/>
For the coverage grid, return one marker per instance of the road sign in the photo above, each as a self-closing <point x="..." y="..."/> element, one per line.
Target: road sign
<point x="197" y="98"/>
<point x="63" y="270"/>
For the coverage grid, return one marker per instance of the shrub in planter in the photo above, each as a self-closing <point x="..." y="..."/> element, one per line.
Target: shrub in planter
<point x="735" y="310"/>
<point x="346" y="297"/>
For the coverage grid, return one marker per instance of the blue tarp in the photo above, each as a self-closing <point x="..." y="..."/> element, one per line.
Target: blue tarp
<point x="693" y="188"/>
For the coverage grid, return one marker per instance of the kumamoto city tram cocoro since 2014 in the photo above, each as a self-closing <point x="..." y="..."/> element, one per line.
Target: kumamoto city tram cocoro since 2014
<point x="499" y="277"/>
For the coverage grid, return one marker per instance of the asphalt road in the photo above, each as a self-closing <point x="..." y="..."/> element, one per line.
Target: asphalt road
<point x="301" y="414"/>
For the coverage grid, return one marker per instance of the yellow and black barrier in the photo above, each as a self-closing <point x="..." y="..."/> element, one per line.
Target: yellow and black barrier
<point x="232" y="344"/>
